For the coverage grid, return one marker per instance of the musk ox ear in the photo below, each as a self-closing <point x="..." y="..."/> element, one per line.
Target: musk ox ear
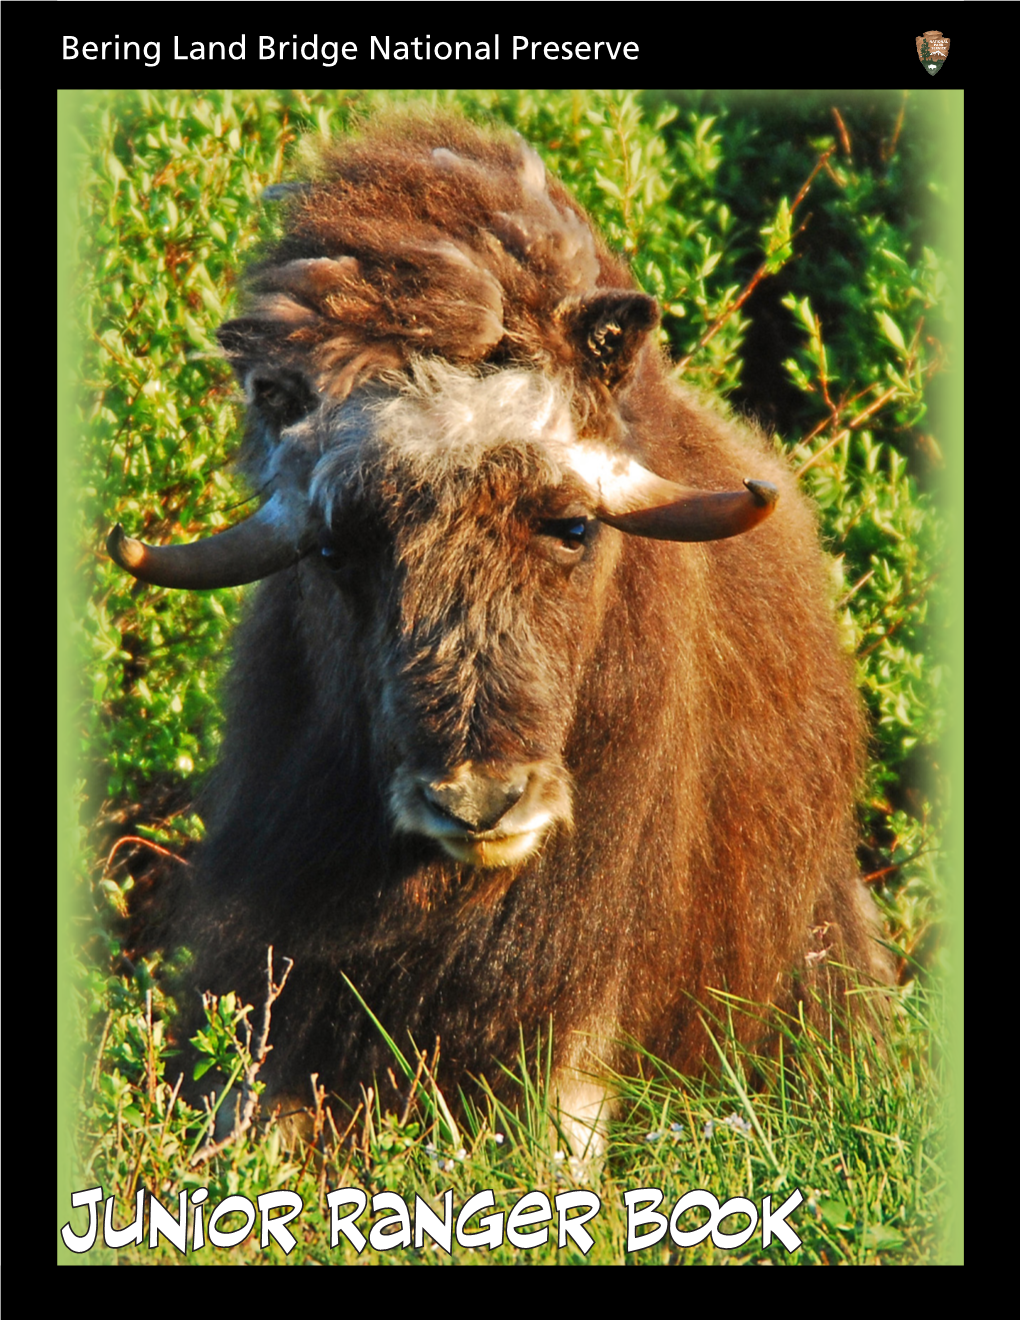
<point x="608" y="329"/>
<point x="249" y="339"/>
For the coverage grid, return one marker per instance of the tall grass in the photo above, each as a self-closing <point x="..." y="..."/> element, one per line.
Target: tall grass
<point x="852" y="1123"/>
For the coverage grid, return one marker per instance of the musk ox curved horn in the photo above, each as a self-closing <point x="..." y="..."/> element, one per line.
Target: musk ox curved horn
<point x="268" y="541"/>
<point x="635" y="500"/>
<point x="698" y="515"/>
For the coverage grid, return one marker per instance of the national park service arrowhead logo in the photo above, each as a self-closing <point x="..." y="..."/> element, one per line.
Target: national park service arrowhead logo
<point x="932" y="49"/>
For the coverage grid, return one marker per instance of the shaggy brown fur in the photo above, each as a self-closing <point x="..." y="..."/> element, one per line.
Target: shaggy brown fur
<point x="688" y="708"/>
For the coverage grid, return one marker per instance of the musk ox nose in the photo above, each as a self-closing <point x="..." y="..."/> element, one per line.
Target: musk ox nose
<point x="475" y="802"/>
<point x="487" y="814"/>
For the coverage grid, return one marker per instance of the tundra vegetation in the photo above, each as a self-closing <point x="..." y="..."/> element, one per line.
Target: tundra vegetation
<point x="819" y="311"/>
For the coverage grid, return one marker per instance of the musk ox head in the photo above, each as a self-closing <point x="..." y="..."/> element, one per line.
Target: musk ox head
<point x="438" y="424"/>
<point x="449" y="527"/>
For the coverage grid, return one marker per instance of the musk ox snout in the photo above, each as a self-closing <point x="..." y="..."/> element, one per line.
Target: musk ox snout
<point x="486" y="814"/>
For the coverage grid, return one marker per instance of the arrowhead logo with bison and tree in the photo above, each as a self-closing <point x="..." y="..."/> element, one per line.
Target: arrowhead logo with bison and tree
<point x="932" y="49"/>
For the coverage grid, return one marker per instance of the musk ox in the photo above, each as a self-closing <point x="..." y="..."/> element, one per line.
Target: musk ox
<point x="539" y="712"/>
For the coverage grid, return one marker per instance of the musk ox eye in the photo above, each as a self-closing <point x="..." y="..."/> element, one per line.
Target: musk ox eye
<point x="344" y="573"/>
<point x="351" y="558"/>
<point x="331" y="554"/>
<point x="564" y="539"/>
<point x="570" y="531"/>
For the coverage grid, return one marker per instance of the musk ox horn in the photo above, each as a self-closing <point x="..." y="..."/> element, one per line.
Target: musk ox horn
<point x="635" y="500"/>
<point x="270" y="540"/>
<point x="698" y="515"/>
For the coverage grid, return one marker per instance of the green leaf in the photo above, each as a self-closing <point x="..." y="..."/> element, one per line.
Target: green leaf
<point x="891" y="331"/>
<point x="835" y="1212"/>
<point x="883" y="1237"/>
